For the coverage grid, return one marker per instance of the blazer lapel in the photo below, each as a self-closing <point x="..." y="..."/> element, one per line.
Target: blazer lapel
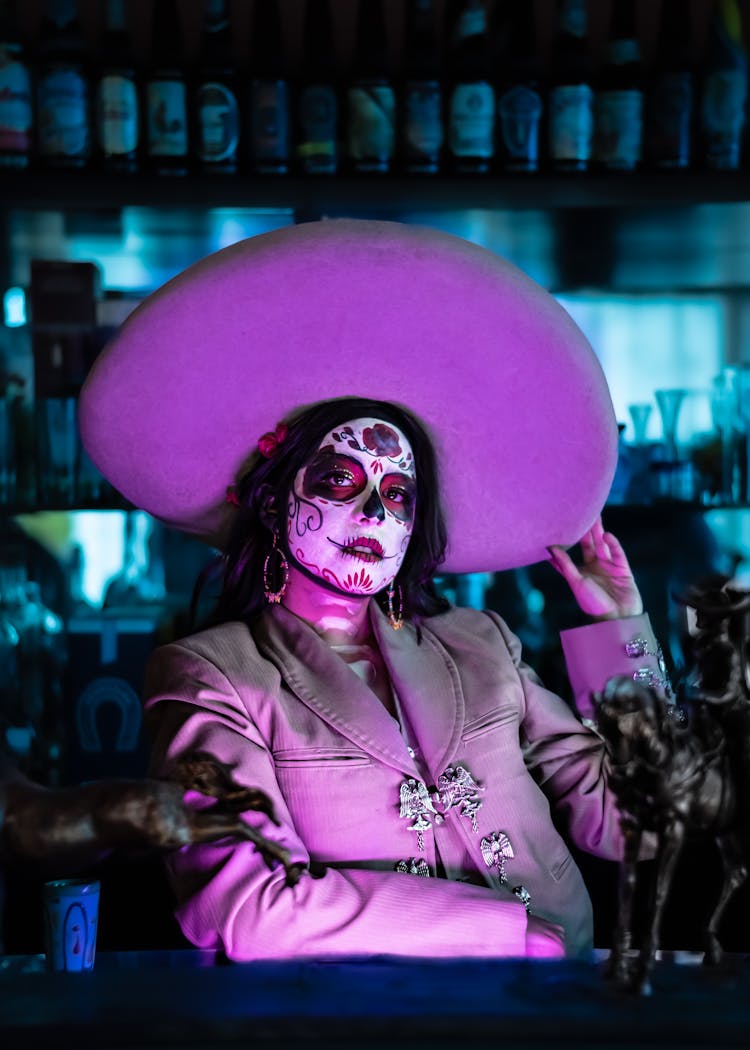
<point x="327" y="685"/>
<point x="428" y="686"/>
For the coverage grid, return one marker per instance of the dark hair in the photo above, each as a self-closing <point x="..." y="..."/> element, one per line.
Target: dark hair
<point x="240" y="567"/>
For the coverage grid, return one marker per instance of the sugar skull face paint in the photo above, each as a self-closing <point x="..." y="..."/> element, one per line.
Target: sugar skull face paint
<point x="351" y="510"/>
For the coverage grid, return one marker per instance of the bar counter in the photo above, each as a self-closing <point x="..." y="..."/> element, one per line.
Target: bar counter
<point x="194" y="999"/>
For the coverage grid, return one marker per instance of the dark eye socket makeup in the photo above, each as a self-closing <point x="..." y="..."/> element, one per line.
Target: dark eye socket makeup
<point x="338" y="477"/>
<point x="398" y="493"/>
<point x="334" y="476"/>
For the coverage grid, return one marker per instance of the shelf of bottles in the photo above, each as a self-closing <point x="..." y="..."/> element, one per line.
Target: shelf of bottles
<point x="473" y="109"/>
<point x="476" y="115"/>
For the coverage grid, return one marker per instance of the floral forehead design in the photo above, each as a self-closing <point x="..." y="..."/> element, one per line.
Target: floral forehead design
<point x="379" y="441"/>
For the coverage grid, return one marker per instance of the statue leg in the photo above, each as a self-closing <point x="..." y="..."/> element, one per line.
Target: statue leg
<point x="618" y="967"/>
<point x="208" y="826"/>
<point x="734" y="863"/>
<point x="670" y="847"/>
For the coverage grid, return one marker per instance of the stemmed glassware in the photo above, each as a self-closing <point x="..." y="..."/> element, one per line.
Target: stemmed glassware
<point x="669" y="403"/>
<point x="725" y="413"/>
<point x="742" y="384"/>
<point x="640" y="413"/>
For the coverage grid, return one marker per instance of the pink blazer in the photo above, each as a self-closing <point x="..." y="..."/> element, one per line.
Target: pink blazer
<point x="295" y="720"/>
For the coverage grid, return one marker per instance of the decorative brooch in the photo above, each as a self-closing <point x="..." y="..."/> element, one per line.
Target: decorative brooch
<point x="415" y="805"/>
<point x="414" y="867"/>
<point x="524" y="896"/>
<point x="496" y="849"/>
<point x="457" y="788"/>
<point x="637" y="648"/>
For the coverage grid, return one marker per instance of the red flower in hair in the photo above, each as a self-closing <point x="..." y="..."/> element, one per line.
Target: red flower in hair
<point x="268" y="443"/>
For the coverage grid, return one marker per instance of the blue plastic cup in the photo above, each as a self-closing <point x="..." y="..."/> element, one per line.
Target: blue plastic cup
<point x="71" y="914"/>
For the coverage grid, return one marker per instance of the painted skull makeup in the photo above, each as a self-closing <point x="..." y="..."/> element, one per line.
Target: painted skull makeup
<point x="351" y="510"/>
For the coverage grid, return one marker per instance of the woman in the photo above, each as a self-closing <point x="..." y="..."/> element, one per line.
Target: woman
<point x="396" y="737"/>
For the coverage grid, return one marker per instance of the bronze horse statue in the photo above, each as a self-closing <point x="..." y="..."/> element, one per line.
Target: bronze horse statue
<point x="672" y="783"/>
<point x="77" y="826"/>
<point x="678" y="778"/>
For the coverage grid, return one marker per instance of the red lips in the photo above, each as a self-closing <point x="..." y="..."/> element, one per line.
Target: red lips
<point x="365" y="547"/>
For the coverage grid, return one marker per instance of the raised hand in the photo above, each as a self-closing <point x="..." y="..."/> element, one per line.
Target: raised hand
<point x="603" y="585"/>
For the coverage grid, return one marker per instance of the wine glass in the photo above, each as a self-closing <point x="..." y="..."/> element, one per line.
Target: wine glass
<point x="742" y="382"/>
<point x="669" y="403"/>
<point x="724" y="411"/>
<point x="640" y="414"/>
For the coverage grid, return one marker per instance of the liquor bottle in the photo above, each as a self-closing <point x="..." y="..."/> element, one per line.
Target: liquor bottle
<point x="118" y="122"/>
<point x="724" y="89"/>
<point x="422" y="105"/>
<point x="519" y="102"/>
<point x="618" y="103"/>
<point x="62" y="92"/>
<point x="15" y="93"/>
<point x="37" y="663"/>
<point x="318" y="98"/>
<point x="670" y="101"/>
<point x="571" y="118"/>
<point x="471" y="100"/>
<point x="371" y="99"/>
<point x="167" y="136"/>
<point x="269" y="108"/>
<point x="217" y="111"/>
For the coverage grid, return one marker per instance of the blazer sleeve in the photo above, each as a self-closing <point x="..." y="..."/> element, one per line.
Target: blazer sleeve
<point x="229" y="898"/>
<point x="567" y="758"/>
<point x="598" y="651"/>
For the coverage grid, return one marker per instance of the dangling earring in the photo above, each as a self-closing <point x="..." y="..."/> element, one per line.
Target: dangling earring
<point x="274" y="597"/>
<point x="396" y="619"/>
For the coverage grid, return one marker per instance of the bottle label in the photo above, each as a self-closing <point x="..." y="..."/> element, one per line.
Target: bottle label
<point x="519" y="112"/>
<point x="669" y="124"/>
<point x="115" y="16"/>
<point x="167" y="118"/>
<point x="269" y="101"/>
<point x="572" y="17"/>
<point x="60" y="11"/>
<point x="618" y="123"/>
<point x="472" y="120"/>
<point x="372" y="124"/>
<point x="15" y="105"/>
<point x="215" y="13"/>
<point x="423" y="120"/>
<point x="62" y="114"/>
<point x="571" y="122"/>
<point x="117" y="108"/>
<point x="218" y="122"/>
<point x="471" y="22"/>
<point x="723" y="115"/>
<point x="318" y="118"/>
<point x="622" y="52"/>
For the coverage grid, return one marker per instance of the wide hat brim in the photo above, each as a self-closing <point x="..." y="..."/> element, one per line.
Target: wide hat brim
<point x="506" y="383"/>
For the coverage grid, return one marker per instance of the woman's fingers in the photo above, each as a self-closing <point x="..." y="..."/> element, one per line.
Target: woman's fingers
<point x="617" y="554"/>
<point x="600" y="543"/>
<point x="564" y="564"/>
<point x="588" y="546"/>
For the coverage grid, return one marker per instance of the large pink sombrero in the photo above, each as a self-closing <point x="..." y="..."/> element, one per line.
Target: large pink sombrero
<point x="504" y="380"/>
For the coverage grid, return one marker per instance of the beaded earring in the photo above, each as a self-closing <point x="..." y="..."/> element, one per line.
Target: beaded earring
<point x="395" y="618"/>
<point x="274" y="597"/>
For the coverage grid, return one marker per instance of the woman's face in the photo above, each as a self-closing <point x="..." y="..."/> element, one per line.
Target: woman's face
<point x="351" y="509"/>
